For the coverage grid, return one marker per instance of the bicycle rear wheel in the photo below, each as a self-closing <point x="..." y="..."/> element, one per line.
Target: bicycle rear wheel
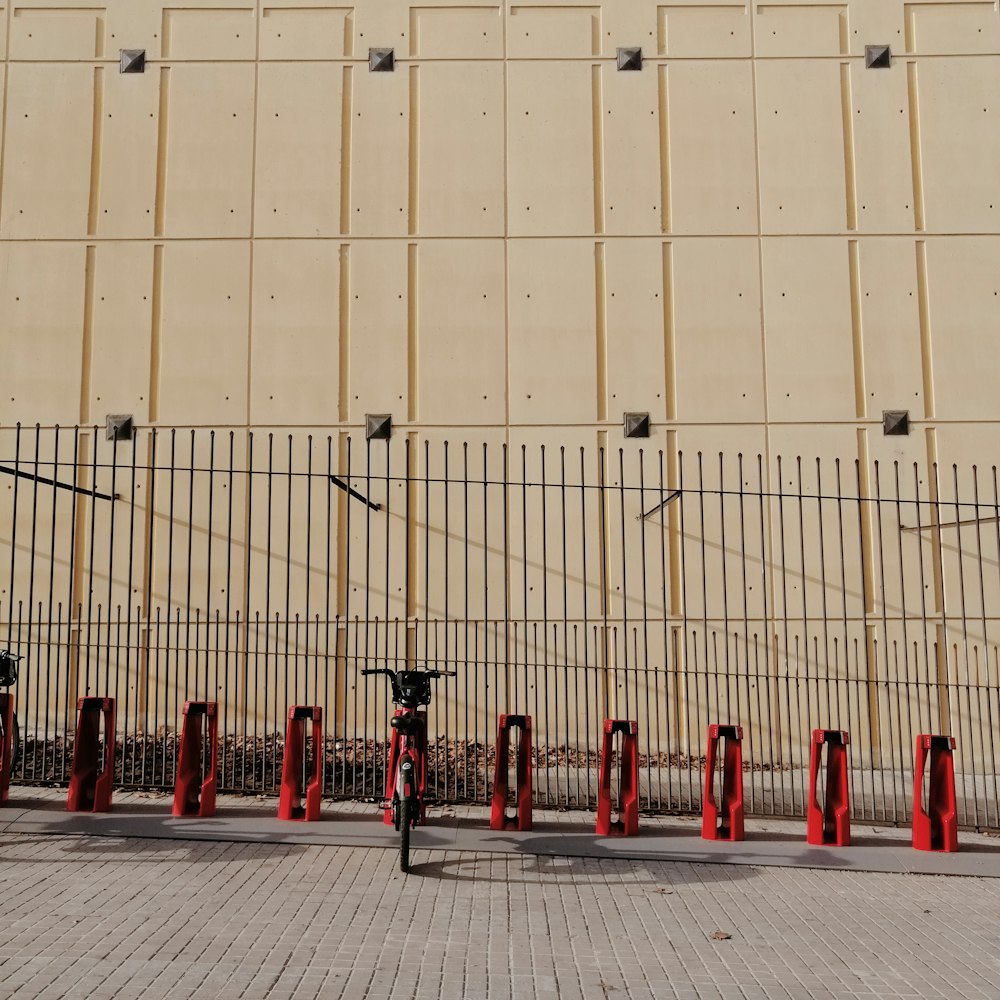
<point x="405" y="822"/>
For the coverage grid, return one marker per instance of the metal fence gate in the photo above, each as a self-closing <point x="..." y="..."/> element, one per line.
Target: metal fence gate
<point x="569" y="583"/>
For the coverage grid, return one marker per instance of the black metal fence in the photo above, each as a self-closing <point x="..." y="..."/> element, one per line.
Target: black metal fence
<point x="263" y="570"/>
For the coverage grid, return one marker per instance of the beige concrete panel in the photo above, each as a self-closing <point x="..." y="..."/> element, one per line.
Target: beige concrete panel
<point x="962" y="28"/>
<point x="31" y="513"/>
<point x="3" y="34"/>
<point x="374" y="542"/>
<point x="882" y="154"/>
<point x="297" y="515"/>
<point x="295" y="30"/>
<point x="126" y="192"/>
<point x="297" y="183"/>
<point x="716" y="527"/>
<point x="807" y="318"/>
<point x="58" y="32"/>
<point x="631" y="145"/>
<point x="203" y="340"/>
<point x="462" y="31"/>
<point x="42" y="291"/>
<point x="377" y="329"/>
<point x="552" y="328"/>
<point x="964" y="310"/>
<point x="716" y="329"/>
<point x="699" y="30"/>
<point x="47" y="152"/>
<point x="221" y="32"/>
<point x="890" y="325"/>
<point x="536" y="541"/>
<point x="550" y="121"/>
<point x="460" y="332"/>
<point x="122" y="330"/>
<point x="639" y="564"/>
<point x="634" y="310"/>
<point x="967" y="547"/>
<point x="459" y="529"/>
<point x="811" y="573"/>
<point x="382" y="25"/>
<point x="798" y="30"/>
<point x="208" y="151"/>
<point x="710" y="141"/>
<point x="460" y="139"/>
<point x="380" y="168"/>
<point x="801" y="143"/>
<point x="196" y="554"/>
<point x="295" y="340"/>
<point x="956" y="100"/>
<point x="132" y="25"/>
<point x="554" y="31"/>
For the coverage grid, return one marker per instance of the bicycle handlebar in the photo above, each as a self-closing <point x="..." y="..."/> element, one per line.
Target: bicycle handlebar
<point x="426" y="673"/>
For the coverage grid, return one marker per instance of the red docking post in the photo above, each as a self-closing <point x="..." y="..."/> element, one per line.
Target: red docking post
<point x="90" y="784"/>
<point x="6" y="744"/>
<point x="192" y="795"/>
<point x="290" y="804"/>
<point x="418" y="736"/>
<point x="501" y="778"/>
<point x="627" y="824"/>
<point x="830" y="823"/>
<point x="730" y="827"/>
<point x="935" y="826"/>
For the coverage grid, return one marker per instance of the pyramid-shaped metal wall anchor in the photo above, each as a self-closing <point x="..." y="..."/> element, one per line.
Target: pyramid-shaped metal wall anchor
<point x="895" y="422"/>
<point x="133" y="61"/>
<point x="381" y="60"/>
<point x="378" y="426"/>
<point x="120" y="426"/>
<point x="637" y="425"/>
<point x="878" y="57"/>
<point x="630" y="59"/>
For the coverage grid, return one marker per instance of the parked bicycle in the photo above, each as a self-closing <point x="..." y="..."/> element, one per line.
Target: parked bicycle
<point x="407" y="775"/>
<point x="8" y="677"/>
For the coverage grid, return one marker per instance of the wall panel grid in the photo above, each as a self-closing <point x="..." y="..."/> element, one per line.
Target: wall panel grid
<point x="519" y="234"/>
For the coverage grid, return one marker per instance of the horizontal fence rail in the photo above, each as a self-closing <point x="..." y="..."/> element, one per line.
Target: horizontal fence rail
<point x="262" y="570"/>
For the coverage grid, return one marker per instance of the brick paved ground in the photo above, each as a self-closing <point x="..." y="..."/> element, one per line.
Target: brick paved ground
<point x="102" y="918"/>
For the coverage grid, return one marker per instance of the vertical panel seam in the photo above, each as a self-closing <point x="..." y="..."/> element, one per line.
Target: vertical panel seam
<point x="96" y="144"/>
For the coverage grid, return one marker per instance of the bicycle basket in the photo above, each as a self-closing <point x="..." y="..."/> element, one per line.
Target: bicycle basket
<point x="414" y="688"/>
<point x="8" y="668"/>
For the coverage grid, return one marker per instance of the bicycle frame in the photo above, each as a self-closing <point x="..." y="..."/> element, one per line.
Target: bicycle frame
<point x="408" y="742"/>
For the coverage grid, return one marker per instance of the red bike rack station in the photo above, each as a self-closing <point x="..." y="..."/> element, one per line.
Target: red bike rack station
<point x="192" y="795"/>
<point x="90" y="784"/>
<point x="6" y="744"/>
<point x="829" y="823"/>
<point x="730" y="827"/>
<point x="499" y="820"/>
<point x="627" y="824"/>
<point x="419" y="736"/>
<point x="290" y="803"/>
<point x="935" y="825"/>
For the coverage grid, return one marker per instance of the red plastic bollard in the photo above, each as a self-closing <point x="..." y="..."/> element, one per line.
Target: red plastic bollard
<point x="7" y="744"/>
<point x="192" y="796"/>
<point x="830" y="823"/>
<point x="290" y="804"/>
<point x="731" y="796"/>
<point x="419" y="738"/>
<point x="522" y="819"/>
<point x="90" y="790"/>
<point x="627" y="824"/>
<point x="935" y="827"/>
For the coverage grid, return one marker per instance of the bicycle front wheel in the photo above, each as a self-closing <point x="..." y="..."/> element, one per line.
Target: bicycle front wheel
<point x="405" y="822"/>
